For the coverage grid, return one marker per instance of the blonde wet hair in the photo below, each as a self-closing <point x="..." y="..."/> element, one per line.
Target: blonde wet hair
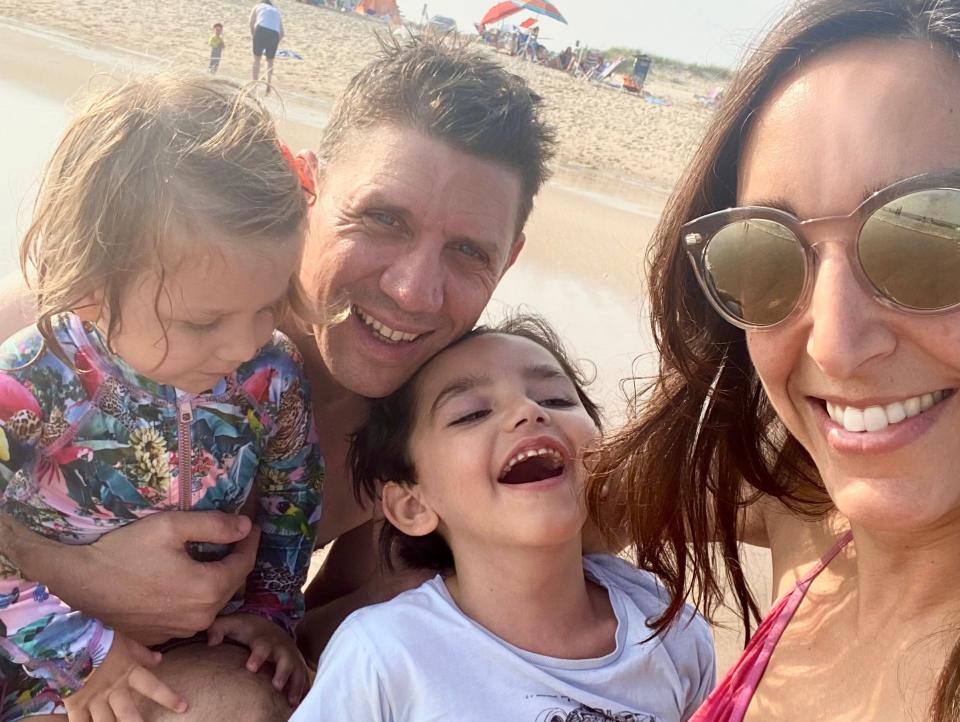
<point x="140" y="161"/>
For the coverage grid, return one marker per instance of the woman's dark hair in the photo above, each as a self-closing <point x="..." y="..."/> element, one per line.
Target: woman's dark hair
<point x="379" y="452"/>
<point x="703" y="442"/>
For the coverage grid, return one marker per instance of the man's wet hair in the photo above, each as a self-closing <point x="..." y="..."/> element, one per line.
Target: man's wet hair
<point x="380" y="451"/>
<point x="454" y="93"/>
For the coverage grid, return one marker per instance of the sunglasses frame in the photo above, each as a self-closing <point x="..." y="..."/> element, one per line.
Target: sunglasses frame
<point x="696" y="235"/>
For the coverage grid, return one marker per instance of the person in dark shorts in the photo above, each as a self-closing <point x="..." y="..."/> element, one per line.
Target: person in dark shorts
<point x="216" y="47"/>
<point x="266" y="27"/>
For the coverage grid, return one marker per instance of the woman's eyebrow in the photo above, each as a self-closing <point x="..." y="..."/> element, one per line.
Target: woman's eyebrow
<point x="779" y="204"/>
<point x="456" y="387"/>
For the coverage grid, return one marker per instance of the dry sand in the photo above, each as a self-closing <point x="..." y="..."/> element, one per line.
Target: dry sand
<point x="589" y="229"/>
<point x="599" y="127"/>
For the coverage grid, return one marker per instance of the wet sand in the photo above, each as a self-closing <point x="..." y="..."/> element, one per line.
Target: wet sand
<point x="581" y="268"/>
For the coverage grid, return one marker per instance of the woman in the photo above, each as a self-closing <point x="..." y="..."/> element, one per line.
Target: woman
<point x="810" y="348"/>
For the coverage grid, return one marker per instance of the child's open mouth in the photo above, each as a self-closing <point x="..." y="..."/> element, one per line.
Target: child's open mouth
<point x="532" y="465"/>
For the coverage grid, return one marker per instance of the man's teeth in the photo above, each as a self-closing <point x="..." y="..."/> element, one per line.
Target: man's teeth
<point x="384" y="331"/>
<point x="556" y="456"/>
<point x="877" y="418"/>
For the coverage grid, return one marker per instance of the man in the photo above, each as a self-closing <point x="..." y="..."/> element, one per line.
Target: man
<point x="426" y="175"/>
<point x="266" y="32"/>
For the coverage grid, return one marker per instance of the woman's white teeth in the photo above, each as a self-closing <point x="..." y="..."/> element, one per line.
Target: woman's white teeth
<point x="556" y="456"/>
<point x="877" y="418"/>
<point x="384" y="331"/>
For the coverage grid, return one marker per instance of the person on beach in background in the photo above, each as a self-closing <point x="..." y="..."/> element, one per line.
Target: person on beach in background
<point x="266" y="32"/>
<point x="805" y="292"/>
<point x="216" y="47"/>
<point x="164" y="246"/>
<point x="426" y="176"/>
<point x="478" y="464"/>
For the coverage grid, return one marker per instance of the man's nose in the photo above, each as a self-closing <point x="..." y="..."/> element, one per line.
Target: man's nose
<point x="848" y="326"/>
<point x="414" y="278"/>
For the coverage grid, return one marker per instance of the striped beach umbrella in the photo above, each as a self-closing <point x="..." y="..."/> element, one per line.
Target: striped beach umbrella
<point x="505" y="9"/>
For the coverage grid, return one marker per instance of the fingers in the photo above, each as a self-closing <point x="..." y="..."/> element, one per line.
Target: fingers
<point x="100" y="711"/>
<point x="145" y="682"/>
<point x="238" y="563"/>
<point x="142" y="655"/>
<point x="123" y="707"/>
<point x="228" y="626"/>
<point x="283" y="666"/>
<point x="259" y="653"/>
<point x="298" y="685"/>
<point x="206" y="526"/>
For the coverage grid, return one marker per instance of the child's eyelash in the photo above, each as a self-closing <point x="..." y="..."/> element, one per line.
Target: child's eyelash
<point x="559" y="401"/>
<point x="472" y="416"/>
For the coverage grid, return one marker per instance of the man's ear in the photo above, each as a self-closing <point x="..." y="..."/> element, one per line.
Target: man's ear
<point x="311" y="160"/>
<point x="514" y="251"/>
<point x="405" y="508"/>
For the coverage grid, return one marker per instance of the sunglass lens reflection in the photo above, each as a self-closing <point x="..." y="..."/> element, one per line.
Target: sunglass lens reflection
<point x="756" y="269"/>
<point x="909" y="249"/>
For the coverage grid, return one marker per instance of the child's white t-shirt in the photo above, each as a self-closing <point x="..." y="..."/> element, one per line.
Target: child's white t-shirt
<point x="418" y="658"/>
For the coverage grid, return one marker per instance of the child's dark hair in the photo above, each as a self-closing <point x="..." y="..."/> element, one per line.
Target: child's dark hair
<point x="379" y="452"/>
<point x="218" y="25"/>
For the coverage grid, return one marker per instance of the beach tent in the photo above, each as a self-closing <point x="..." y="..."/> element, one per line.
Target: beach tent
<point x="380" y="8"/>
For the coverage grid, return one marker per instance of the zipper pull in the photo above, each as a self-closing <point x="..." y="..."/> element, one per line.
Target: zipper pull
<point x="186" y="411"/>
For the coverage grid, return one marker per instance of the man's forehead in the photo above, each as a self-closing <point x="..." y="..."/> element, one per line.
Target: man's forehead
<point x="422" y="175"/>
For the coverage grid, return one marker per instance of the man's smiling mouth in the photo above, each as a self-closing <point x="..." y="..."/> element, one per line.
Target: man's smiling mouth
<point x="382" y="331"/>
<point x="879" y="417"/>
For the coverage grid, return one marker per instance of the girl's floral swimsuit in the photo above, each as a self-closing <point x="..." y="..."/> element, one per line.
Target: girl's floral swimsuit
<point x="90" y="445"/>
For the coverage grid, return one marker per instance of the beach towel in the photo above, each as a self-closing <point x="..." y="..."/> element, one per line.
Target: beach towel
<point x="291" y="54"/>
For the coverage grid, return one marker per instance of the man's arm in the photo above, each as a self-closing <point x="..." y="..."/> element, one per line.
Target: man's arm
<point x="139" y="578"/>
<point x="351" y="577"/>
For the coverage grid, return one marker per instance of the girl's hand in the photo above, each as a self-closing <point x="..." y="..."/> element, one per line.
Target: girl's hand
<point x="266" y="641"/>
<point x="109" y="694"/>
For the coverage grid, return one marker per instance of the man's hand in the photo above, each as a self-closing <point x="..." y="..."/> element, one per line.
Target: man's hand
<point x="140" y="579"/>
<point x="110" y="694"/>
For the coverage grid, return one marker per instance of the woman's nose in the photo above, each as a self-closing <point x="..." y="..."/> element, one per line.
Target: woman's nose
<point x="848" y="326"/>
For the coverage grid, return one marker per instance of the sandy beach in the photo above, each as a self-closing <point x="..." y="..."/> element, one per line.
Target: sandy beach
<point x="599" y="127"/>
<point x="583" y="264"/>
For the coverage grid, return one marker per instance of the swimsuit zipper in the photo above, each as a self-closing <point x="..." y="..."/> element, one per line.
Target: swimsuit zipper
<point x="185" y="448"/>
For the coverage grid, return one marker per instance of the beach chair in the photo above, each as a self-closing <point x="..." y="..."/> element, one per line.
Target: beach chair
<point x="633" y="83"/>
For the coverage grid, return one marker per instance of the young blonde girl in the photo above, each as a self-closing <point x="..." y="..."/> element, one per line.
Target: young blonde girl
<point x="163" y="248"/>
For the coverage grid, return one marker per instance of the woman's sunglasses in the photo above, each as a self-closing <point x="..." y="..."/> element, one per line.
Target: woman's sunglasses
<point x="757" y="266"/>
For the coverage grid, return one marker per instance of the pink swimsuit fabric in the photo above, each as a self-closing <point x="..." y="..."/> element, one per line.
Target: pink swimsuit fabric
<point x="731" y="698"/>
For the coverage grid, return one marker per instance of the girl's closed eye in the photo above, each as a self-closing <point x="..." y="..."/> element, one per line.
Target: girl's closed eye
<point x="469" y="417"/>
<point x="200" y="326"/>
<point x="559" y="402"/>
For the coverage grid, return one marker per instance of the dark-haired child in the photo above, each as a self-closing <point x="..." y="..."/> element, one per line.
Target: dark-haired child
<point x="216" y="47"/>
<point x="478" y="461"/>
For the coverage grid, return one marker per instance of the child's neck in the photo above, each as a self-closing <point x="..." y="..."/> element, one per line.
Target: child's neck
<point x="536" y="599"/>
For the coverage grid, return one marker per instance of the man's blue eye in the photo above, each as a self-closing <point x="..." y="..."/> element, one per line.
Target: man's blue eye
<point x="468" y="249"/>
<point x="385" y="219"/>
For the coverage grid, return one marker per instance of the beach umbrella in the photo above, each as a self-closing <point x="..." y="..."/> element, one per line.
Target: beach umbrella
<point x="505" y="9"/>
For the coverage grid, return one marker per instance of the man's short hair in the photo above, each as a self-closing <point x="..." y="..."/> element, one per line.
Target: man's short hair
<point x="452" y="93"/>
